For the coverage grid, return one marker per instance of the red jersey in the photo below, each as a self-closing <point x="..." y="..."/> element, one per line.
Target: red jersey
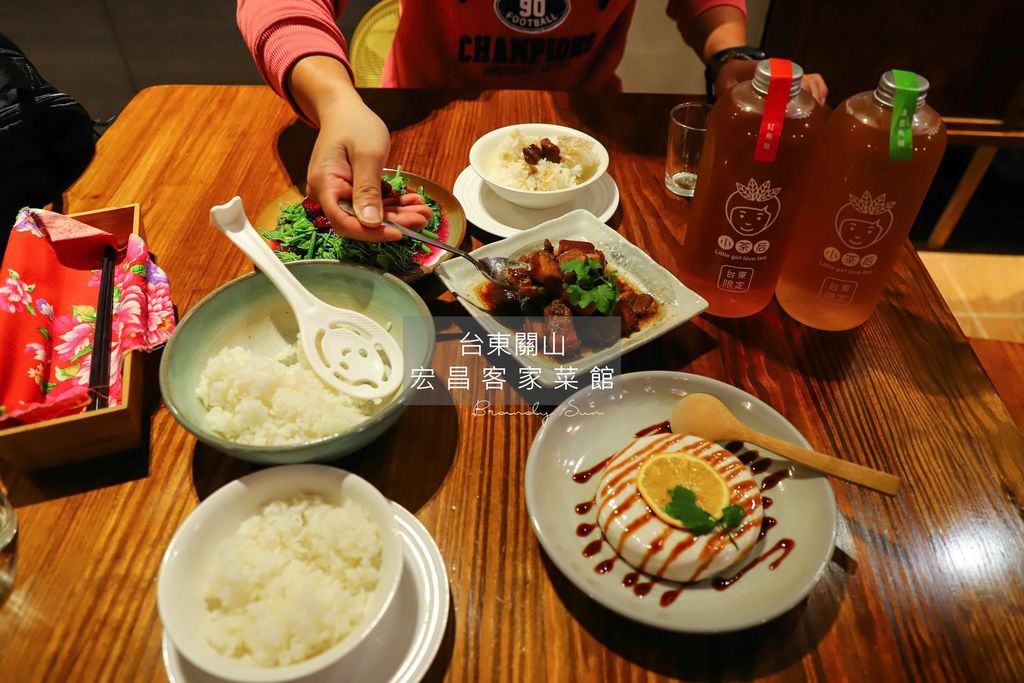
<point x="541" y="44"/>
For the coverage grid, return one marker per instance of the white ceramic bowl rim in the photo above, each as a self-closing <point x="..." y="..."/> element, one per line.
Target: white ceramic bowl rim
<point x="235" y="492"/>
<point x="220" y="443"/>
<point x="474" y="156"/>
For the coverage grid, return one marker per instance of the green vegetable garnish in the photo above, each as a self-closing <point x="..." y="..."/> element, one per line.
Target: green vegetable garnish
<point x="299" y="239"/>
<point x="592" y="286"/>
<point x="683" y="506"/>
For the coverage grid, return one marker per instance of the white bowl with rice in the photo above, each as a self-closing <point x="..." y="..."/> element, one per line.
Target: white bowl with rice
<point x="231" y="375"/>
<point x="539" y="180"/>
<point x="278" y="575"/>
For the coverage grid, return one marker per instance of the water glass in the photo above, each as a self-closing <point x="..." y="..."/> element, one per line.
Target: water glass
<point x="687" y="124"/>
<point x="8" y="545"/>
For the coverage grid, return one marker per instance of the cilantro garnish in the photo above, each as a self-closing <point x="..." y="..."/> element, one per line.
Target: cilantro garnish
<point x="683" y="506"/>
<point x="592" y="286"/>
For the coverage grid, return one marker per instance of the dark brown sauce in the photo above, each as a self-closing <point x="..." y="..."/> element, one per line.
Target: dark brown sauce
<point x="748" y="457"/>
<point x="656" y="545"/>
<point x="760" y="465"/>
<point x="632" y="527"/>
<point x="593" y="548"/>
<point x="629" y="579"/>
<point x="773" y="479"/>
<point x="766" y="524"/>
<point x="584" y="507"/>
<point x="668" y="597"/>
<point x="606" y="566"/>
<point x="584" y="476"/>
<point x="766" y="502"/>
<point x="584" y="530"/>
<point x="642" y="589"/>
<point x="734" y="447"/>
<point x="786" y="545"/>
<point x="660" y="428"/>
<point x="619" y="511"/>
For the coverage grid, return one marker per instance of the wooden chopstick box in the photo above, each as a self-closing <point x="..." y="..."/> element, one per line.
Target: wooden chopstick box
<point x="98" y="432"/>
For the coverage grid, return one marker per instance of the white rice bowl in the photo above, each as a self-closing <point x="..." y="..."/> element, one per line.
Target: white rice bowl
<point x="257" y="400"/>
<point x="578" y="162"/>
<point x="293" y="580"/>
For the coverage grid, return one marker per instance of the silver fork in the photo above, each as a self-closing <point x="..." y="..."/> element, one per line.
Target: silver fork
<point x="494" y="268"/>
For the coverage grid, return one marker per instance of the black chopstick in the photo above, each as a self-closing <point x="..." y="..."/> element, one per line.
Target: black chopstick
<point x="99" y="373"/>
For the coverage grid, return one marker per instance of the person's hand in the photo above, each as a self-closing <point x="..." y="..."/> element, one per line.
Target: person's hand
<point x="739" y="70"/>
<point x="347" y="163"/>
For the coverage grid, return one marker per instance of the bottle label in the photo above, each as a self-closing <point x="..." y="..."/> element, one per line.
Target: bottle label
<point x="860" y="224"/>
<point x="774" y="114"/>
<point x="904" y="102"/>
<point x="749" y="211"/>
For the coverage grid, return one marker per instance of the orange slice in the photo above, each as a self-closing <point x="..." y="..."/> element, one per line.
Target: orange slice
<point x="662" y="472"/>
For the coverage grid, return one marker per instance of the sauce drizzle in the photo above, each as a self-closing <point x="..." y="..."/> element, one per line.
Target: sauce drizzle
<point x="773" y="479"/>
<point x="584" y="476"/>
<point x="584" y="507"/>
<point x="668" y="597"/>
<point x="660" y="428"/>
<point x="786" y="545"/>
<point x="748" y="457"/>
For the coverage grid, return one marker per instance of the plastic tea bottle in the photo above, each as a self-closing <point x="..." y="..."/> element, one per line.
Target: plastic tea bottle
<point x="760" y="138"/>
<point x="880" y="153"/>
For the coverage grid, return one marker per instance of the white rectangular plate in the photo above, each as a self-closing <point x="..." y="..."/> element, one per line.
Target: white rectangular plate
<point x="677" y="304"/>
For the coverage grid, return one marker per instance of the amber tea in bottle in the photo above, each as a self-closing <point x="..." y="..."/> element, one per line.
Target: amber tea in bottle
<point x="881" y="150"/>
<point x="760" y="137"/>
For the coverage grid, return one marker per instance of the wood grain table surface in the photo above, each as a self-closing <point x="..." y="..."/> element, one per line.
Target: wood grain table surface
<point x="927" y="586"/>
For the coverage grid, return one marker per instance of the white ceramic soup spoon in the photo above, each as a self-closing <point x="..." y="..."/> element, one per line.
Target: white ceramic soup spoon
<point x="348" y="350"/>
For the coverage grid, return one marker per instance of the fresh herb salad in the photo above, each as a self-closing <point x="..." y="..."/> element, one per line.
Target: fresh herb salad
<point x="303" y="232"/>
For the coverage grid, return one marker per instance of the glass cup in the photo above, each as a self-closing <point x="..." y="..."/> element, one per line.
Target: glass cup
<point x="8" y="545"/>
<point x="687" y="124"/>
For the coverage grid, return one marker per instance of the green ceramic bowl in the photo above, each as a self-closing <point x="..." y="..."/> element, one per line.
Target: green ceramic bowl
<point x="250" y="312"/>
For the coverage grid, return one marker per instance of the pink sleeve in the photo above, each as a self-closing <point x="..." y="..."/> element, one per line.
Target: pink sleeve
<point x="683" y="11"/>
<point x="279" y="33"/>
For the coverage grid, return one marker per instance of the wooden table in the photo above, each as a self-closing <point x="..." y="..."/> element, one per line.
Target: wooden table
<point x="926" y="586"/>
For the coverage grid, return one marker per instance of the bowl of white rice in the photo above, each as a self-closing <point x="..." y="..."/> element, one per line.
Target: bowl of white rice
<point x="233" y="375"/>
<point x="538" y="165"/>
<point x="278" y="575"/>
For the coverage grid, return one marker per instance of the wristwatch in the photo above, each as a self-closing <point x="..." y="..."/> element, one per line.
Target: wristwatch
<point x="744" y="53"/>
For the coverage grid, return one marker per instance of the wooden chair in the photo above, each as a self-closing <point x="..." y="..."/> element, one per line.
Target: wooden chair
<point x="371" y="41"/>
<point x="988" y="135"/>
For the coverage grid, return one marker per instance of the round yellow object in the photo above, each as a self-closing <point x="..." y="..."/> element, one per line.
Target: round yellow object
<point x="662" y="472"/>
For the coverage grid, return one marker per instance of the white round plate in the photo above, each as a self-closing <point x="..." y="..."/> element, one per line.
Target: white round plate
<point x="491" y="213"/>
<point x="594" y="424"/>
<point x="414" y="623"/>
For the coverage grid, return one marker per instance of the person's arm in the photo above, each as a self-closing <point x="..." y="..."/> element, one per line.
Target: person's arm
<point x="301" y="54"/>
<point x="710" y="26"/>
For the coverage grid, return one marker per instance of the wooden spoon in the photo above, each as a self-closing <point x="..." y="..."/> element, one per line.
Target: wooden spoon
<point x="705" y="416"/>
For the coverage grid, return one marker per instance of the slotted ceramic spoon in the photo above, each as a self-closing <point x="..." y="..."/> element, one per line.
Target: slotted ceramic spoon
<point x="348" y="350"/>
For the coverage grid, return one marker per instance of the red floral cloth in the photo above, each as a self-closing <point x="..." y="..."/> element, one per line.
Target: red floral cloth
<point x="49" y="286"/>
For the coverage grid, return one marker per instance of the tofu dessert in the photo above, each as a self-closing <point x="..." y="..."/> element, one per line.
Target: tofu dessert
<point x="678" y="507"/>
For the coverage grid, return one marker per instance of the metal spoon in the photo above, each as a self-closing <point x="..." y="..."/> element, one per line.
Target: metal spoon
<point x="348" y="350"/>
<point x="705" y="416"/>
<point x="494" y="268"/>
